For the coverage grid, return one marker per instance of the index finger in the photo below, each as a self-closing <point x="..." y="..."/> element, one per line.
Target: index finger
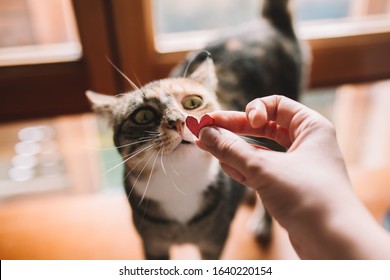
<point x="276" y="117"/>
<point x="237" y="122"/>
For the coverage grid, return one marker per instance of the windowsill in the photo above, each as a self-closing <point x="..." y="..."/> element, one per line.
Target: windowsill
<point x="36" y="54"/>
<point x="344" y="27"/>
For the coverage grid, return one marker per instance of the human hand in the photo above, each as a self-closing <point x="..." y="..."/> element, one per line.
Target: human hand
<point x="285" y="181"/>
<point x="306" y="189"/>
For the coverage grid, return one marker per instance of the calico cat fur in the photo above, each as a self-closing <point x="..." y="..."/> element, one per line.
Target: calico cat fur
<point x="178" y="193"/>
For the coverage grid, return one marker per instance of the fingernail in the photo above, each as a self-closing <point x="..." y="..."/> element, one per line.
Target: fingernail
<point x="252" y="116"/>
<point x="209" y="135"/>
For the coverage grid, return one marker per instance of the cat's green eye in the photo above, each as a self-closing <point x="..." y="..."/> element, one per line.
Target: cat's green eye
<point x="192" y="102"/>
<point x="144" y="116"/>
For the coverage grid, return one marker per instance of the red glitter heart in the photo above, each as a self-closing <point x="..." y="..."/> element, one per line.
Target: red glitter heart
<point x="195" y="127"/>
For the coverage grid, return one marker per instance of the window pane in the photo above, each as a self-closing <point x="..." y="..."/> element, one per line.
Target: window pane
<point x="197" y="21"/>
<point x="178" y="16"/>
<point x="34" y="31"/>
<point x="321" y="9"/>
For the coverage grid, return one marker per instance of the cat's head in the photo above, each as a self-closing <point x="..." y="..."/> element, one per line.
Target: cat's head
<point x="151" y="119"/>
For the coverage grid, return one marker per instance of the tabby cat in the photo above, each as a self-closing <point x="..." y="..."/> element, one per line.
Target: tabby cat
<point x="177" y="192"/>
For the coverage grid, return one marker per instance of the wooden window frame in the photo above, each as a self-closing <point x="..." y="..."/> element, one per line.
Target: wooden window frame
<point x="122" y="31"/>
<point x="49" y="89"/>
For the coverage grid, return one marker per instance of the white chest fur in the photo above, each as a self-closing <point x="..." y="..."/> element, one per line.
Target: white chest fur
<point x="177" y="181"/>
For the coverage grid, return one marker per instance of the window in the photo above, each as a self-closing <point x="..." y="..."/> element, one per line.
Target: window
<point x="179" y="25"/>
<point x="340" y="32"/>
<point x="37" y="31"/>
<point x="174" y="17"/>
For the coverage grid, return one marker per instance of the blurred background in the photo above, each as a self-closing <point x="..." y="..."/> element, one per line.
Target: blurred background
<point x="60" y="180"/>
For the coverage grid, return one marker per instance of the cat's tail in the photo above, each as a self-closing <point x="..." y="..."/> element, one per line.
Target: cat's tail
<point x="277" y="12"/>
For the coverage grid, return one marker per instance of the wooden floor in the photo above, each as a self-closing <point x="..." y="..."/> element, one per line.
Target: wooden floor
<point x="98" y="227"/>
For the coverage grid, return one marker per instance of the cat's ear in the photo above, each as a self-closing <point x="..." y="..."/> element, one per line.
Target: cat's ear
<point x="205" y="74"/>
<point x="102" y="104"/>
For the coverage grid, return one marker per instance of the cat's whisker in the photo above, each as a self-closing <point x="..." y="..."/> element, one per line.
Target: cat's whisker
<point x="137" y="79"/>
<point x="162" y="162"/>
<point x="139" y="175"/>
<point x="175" y="186"/>
<point x="132" y="84"/>
<point x="144" y="139"/>
<point x="168" y="175"/>
<point x="156" y="133"/>
<point x="114" y="161"/>
<point x="137" y="152"/>
<point x="129" y="173"/>
<point x="173" y="169"/>
<point x="150" y="177"/>
<point x="143" y="216"/>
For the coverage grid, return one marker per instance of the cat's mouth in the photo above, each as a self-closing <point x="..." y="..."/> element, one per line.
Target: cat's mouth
<point x="185" y="142"/>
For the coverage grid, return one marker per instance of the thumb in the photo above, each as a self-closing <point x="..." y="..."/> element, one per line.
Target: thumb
<point x="229" y="148"/>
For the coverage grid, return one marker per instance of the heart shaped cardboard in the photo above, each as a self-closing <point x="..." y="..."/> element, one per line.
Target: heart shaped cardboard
<point x="194" y="126"/>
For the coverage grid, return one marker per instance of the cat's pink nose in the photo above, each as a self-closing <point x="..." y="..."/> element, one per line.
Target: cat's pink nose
<point x="178" y="125"/>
